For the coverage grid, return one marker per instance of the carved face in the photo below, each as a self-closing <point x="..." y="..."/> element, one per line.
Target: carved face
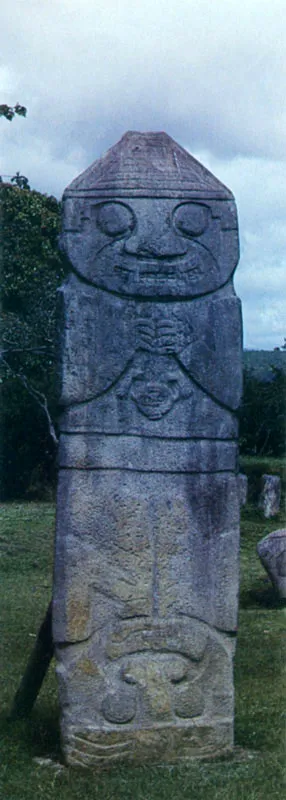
<point x="160" y="686"/>
<point x="148" y="247"/>
<point x="155" y="385"/>
<point x="155" y="395"/>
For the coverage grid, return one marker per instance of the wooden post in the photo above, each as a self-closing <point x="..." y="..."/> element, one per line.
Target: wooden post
<point x="35" y="671"/>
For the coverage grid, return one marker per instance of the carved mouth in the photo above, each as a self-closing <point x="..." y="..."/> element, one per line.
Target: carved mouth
<point x="161" y="271"/>
<point x="151" y="400"/>
<point x="155" y="402"/>
<point x="155" y="270"/>
<point x="181" y="272"/>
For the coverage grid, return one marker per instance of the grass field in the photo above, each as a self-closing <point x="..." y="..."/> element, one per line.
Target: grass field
<point x="30" y="750"/>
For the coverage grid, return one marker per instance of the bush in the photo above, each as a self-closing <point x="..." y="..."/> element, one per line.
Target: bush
<point x="262" y="414"/>
<point x="32" y="269"/>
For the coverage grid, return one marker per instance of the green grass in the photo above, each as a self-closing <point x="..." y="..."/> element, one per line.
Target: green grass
<point x="254" y="772"/>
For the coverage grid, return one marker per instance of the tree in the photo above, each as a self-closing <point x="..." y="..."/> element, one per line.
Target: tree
<point x="32" y="269"/>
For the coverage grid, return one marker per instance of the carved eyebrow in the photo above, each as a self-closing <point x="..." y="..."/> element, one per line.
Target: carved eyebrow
<point x="102" y="203"/>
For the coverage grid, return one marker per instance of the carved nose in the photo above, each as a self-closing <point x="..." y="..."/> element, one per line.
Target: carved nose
<point x="161" y="246"/>
<point x="146" y="248"/>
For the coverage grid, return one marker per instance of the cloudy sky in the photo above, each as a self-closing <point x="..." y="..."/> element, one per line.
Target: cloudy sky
<point x="211" y="73"/>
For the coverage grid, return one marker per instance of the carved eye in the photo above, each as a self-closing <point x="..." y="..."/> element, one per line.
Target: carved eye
<point x="191" y="218"/>
<point x="114" y="219"/>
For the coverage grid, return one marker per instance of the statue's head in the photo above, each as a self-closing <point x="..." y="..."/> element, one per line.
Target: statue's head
<point x="148" y="220"/>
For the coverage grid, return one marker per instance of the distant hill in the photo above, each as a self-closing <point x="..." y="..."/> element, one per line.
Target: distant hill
<point x="261" y="361"/>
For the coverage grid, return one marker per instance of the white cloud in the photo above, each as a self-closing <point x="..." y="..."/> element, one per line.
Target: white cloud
<point x="216" y="70"/>
<point x="259" y="186"/>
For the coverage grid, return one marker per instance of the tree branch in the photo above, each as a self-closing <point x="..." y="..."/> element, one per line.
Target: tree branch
<point x="12" y="349"/>
<point x="38" y="396"/>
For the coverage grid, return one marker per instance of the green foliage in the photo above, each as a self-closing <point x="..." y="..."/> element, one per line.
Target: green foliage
<point x="9" y="111"/>
<point x="21" y="181"/>
<point x="260" y="362"/>
<point x="27" y="450"/>
<point x="32" y="269"/>
<point x="262" y="414"/>
<point x="32" y="263"/>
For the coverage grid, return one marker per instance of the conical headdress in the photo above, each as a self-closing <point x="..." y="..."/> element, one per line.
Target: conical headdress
<point x="150" y="164"/>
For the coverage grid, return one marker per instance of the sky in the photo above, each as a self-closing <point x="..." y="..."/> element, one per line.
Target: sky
<point x="211" y="73"/>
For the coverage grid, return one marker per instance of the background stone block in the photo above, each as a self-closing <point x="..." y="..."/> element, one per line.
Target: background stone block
<point x="269" y="500"/>
<point x="272" y="554"/>
<point x="243" y="488"/>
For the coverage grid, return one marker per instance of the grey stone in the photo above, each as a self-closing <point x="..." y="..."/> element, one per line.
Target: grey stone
<point x="147" y="535"/>
<point x="269" y="499"/>
<point x="272" y="553"/>
<point x="243" y="488"/>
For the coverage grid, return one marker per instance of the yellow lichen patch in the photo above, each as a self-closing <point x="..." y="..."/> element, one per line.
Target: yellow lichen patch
<point x="77" y="617"/>
<point x="88" y="667"/>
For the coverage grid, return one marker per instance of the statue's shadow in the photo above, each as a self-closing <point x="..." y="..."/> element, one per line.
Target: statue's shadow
<point x="38" y="733"/>
<point x="261" y="595"/>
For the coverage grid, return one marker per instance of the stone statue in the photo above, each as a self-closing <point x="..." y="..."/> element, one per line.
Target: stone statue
<point x="146" y="569"/>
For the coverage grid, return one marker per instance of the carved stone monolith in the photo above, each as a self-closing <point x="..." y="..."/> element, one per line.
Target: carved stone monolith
<point x="243" y="488"/>
<point x="146" y="567"/>
<point x="272" y="553"/>
<point x="269" y="498"/>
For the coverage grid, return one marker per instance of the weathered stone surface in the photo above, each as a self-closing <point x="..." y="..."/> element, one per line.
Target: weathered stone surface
<point x="151" y="543"/>
<point x="269" y="500"/>
<point x="146" y="568"/>
<point x="242" y="488"/>
<point x="272" y="553"/>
